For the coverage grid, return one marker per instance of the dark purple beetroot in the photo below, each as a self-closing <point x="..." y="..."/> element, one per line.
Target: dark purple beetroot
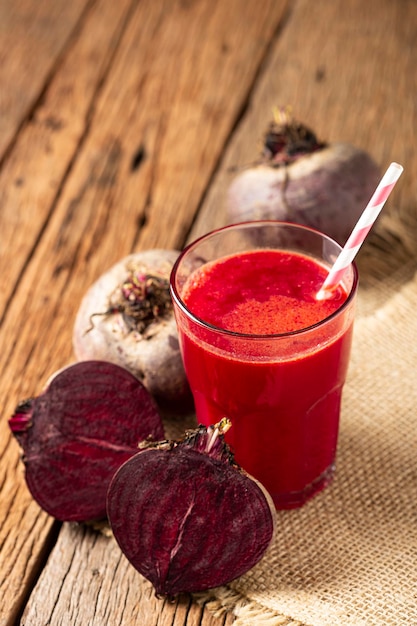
<point x="76" y="434"/>
<point x="186" y="516"/>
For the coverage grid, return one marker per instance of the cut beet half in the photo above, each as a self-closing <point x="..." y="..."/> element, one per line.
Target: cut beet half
<point x="76" y="434"/>
<point x="187" y="517"/>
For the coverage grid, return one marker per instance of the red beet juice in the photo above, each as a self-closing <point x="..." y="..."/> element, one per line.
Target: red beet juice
<point x="258" y="352"/>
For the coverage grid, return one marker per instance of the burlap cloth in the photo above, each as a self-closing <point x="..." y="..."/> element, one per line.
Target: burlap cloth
<point x="349" y="556"/>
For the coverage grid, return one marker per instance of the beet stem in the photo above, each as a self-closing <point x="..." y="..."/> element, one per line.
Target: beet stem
<point x="21" y="420"/>
<point x="214" y="431"/>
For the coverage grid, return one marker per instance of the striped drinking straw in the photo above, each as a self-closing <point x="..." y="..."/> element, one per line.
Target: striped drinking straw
<point x="361" y="229"/>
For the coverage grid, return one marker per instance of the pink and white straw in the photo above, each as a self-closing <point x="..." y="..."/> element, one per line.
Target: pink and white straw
<point x="361" y="229"/>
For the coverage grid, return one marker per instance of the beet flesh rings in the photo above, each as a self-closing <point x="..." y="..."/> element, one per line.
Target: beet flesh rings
<point x="188" y="520"/>
<point x="77" y="433"/>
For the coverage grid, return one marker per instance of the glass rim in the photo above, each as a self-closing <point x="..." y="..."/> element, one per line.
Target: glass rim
<point x="231" y="333"/>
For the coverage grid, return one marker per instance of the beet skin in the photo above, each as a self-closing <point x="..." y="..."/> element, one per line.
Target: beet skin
<point x="77" y="433"/>
<point x="300" y="179"/>
<point x="126" y="317"/>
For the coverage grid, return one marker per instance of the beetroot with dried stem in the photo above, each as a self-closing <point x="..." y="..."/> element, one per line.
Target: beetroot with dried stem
<point x="303" y="180"/>
<point x="76" y="434"/>
<point x="186" y="516"/>
<point x="126" y="317"/>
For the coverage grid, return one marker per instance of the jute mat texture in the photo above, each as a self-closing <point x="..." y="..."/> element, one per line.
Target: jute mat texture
<point x="349" y="556"/>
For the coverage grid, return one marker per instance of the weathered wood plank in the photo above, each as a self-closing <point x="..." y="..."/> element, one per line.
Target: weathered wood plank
<point x="33" y="35"/>
<point x="32" y="176"/>
<point x="179" y="79"/>
<point x="98" y="586"/>
<point x="30" y="181"/>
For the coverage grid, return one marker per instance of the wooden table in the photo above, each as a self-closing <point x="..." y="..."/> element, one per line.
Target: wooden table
<point x="119" y="123"/>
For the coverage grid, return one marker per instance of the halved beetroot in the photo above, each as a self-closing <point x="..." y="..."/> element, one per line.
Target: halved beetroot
<point x="76" y="434"/>
<point x="186" y="516"/>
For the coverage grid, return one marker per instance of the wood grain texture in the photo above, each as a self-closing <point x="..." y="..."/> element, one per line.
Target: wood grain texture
<point x="30" y="180"/>
<point x="117" y="155"/>
<point x="98" y="586"/>
<point x="33" y="36"/>
<point x="34" y="173"/>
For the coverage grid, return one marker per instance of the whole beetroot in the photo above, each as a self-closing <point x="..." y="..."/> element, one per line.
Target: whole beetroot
<point x="186" y="516"/>
<point x="303" y="180"/>
<point x="126" y="317"/>
<point x="87" y="422"/>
